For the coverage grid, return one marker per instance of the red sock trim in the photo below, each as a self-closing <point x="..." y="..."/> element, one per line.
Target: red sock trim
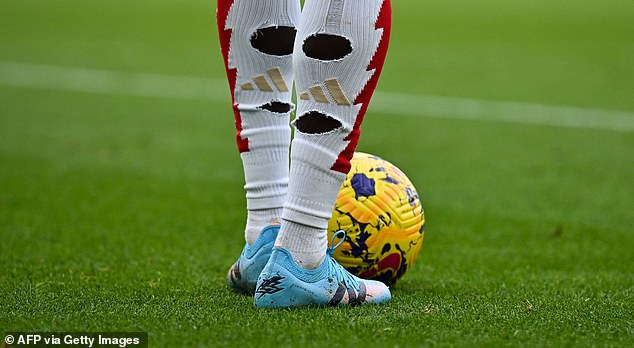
<point x="384" y="21"/>
<point x="222" y="12"/>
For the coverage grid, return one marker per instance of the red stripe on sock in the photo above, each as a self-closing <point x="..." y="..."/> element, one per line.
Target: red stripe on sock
<point x="384" y="21"/>
<point x="222" y="12"/>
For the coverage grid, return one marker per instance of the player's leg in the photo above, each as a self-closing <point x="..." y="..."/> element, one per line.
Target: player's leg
<point x="339" y="52"/>
<point x="256" y="38"/>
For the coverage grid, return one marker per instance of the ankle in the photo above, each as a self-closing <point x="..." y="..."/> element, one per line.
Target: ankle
<point x="306" y="244"/>
<point x="259" y="219"/>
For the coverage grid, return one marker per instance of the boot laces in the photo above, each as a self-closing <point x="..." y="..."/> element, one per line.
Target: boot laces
<point x="340" y="273"/>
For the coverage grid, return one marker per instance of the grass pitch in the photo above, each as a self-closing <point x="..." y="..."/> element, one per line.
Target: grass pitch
<point x="121" y="209"/>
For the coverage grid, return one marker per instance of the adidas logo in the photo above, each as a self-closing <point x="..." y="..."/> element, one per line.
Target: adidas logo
<point x="275" y="75"/>
<point x="333" y="88"/>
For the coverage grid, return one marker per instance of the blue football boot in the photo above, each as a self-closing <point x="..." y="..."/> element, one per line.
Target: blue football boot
<point x="243" y="275"/>
<point x="283" y="283"/>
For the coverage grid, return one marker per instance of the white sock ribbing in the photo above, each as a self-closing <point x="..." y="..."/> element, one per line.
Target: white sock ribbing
<point x="256" y="38"/>
<point x="339" y="52"/>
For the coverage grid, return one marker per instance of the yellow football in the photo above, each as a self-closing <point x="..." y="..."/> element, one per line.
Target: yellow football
<point x="384" y="220"/>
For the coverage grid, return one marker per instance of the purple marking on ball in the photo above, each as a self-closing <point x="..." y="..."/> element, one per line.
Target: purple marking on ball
<point x="391" y="180"/>
<point x="362" y="186"/>
<point x="412" y="196"/>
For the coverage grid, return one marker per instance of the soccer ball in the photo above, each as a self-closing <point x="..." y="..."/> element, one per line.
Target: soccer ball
<point x="383" y="218"/>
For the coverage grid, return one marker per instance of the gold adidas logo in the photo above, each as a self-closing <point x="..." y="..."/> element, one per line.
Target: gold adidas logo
<point x="263" y="84"/>
<point x="319" y="94"/>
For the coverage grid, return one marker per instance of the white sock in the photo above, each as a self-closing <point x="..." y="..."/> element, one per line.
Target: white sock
<point x="258" y="219"/>
<point x="339" y="52"/>
<point x="256" y="39"/>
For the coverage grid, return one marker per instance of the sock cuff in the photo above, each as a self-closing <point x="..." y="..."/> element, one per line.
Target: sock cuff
<point x="260" y="203"/>
<point x="266" y="176"/>
<point x="267" y="156"/>
<point x="309" y="218"/>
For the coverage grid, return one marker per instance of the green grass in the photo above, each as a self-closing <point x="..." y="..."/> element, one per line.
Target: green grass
<point x="123" y="213"/>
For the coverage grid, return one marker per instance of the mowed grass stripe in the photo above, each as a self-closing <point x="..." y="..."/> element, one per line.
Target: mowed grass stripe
<point x="99" y="81"/>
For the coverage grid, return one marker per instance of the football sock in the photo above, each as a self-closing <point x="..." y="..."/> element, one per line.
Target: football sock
<point x="256" y="39"/>
<point x="338" y="55"/>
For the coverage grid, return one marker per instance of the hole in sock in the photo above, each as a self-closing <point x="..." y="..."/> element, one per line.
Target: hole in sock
<point x="314" y="122"/>
<point x="277" y="107"/>
<point x="326" y="46"/>
<point x="276" y="41"/>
